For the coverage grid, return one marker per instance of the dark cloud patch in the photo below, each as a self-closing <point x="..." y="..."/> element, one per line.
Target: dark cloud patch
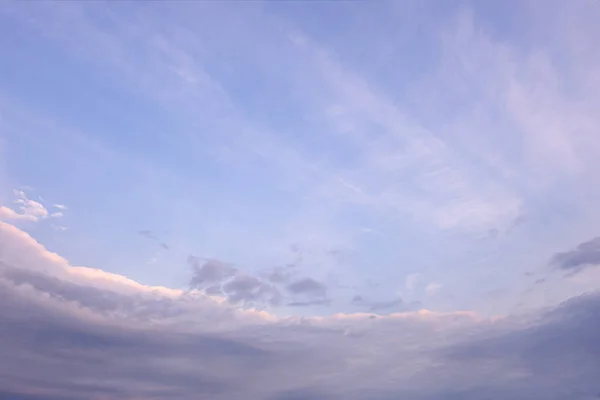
<point x="357" y="300"/>
<point x="279" y="275"/>
<point x="558" y="357"/>
<point x="584" y="255"/>
<point x="307" y="292"/>
<point x="250" y="290"/>
<point x="308" y="286"/>
<point x="217" y="278"/>
<point x="209" y="272"/>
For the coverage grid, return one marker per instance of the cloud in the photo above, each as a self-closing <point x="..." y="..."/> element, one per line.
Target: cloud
<point x="252" y="291"/>
<point x="75" y="332"/>
<point x="61" y="207"/>
<point x="307" y="292"/>
<point x="210" y="272"/>
<point x="29" y="210"/>
<point x="218" y="278"/>
<point x="308" y="286"/>
<point x="279" y="275"/>
<point x="586" y="254"/>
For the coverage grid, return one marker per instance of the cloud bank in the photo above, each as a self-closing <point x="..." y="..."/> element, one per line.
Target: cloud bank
<point x="75" y="332"/>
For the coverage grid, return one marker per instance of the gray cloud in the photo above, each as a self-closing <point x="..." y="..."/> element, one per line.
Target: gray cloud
<point x="98" y="359"/>
<point x="308" y="286"/>
<point x="307" y="292"/>
<point x="584" y="255"/>
<point x="52" y="347"/>
<point x="218" y="278"/>
<point x="279" y="275"/>
<point x="555" y="358"/>
<point x="209" y="272"/>
<point x="251" y="290"/>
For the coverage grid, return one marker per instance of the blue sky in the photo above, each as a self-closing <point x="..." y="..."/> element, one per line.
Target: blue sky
<point x="451" y="144"/>
<point x="308" y="159"/>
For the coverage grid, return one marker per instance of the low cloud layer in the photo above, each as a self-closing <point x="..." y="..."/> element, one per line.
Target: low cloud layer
<point x="74" y="332"/>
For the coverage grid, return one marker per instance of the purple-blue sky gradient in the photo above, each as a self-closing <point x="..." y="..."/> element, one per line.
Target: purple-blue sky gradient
<point x="300" y="200"/>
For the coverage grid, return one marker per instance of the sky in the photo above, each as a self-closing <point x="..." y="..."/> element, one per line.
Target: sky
<point x="298" y="200"/>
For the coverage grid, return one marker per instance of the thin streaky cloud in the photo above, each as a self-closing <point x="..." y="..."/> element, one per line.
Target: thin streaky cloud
<point x="293" y="200"/>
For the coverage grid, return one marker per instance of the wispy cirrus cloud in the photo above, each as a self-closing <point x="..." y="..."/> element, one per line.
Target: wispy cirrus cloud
<point x="454" y="149"/>
<point x="399" y="158"/>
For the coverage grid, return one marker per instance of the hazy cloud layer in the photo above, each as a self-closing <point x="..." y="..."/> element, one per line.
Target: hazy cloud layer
<point x="74" y="332"/>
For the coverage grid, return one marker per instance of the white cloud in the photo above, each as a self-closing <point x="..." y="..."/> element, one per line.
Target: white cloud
<point x="27" y="209"/>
